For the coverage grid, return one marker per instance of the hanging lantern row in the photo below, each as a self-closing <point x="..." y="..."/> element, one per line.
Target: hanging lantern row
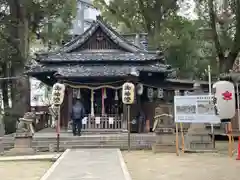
<point x="152" y="93"/>
<point x="185" y="93"/>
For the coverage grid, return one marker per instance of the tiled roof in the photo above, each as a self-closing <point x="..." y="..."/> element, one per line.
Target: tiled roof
<point x="186" y="81"/>
<point x="111" y="33"/>
<point x="97" y="70"/>
<point x="98" y="56"/>
<point x="232" y="76"/>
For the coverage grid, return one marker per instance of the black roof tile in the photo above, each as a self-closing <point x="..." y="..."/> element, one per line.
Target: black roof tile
<point x="98" y="56"/>
<point x="97" y="70"/>
<point x="63" y="62"/>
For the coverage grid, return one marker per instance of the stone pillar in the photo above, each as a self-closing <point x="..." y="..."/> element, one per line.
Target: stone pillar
<point x="197" y="137"/>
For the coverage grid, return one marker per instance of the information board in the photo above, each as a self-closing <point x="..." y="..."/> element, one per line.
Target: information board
<point x="195" y="109"/>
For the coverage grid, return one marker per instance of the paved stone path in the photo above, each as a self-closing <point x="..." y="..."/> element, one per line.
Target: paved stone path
<point x="89" y="164"/>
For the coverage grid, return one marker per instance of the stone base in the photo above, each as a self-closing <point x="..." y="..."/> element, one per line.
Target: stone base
<point x="22" y="146"/>
<point x="163" y="148"/>
<point x="23" y="142"/>
<point x="165" y="143"/>
<point x="1" y="146"/>
<point x="197" y="138"/>
<point x="165" y="138"/>
<point x="198" y="142"/>
<point x="20" y="152"/>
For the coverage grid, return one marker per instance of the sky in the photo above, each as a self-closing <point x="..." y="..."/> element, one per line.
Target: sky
<point x="187" y="9"/>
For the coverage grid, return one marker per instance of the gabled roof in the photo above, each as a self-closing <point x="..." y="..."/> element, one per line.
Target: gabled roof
<point x="77" y="59"/>
<point x="111" y="33"/>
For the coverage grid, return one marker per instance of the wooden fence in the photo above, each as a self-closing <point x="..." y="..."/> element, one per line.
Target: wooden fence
<point x="108" y="121"/>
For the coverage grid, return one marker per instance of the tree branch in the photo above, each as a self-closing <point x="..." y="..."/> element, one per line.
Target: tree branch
<point x="12" y="43"/>
<point x="147" y="21"/>
<point x="212" y="16"/>
<point x="116" y="13"/>
<point x="236" y="42"/>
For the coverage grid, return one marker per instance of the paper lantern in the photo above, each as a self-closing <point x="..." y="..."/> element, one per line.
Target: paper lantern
<point x="224" y="99"/>
<point x="58" y="93"/>
<point x="128" y="93"/>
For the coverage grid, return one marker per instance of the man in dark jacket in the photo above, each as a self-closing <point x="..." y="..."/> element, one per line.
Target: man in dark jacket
<point x="77" y="115"/>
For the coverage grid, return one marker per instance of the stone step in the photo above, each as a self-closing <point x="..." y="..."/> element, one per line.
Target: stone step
<point x="43" y="148"/>
<point x="86" y="140"/>
<point x="196" y="145"/>
<point x="201" y="142"/>
<point x="122" y="144"/>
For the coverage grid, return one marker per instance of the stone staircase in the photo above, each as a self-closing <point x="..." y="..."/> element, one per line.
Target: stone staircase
<point x="41" y="143"/>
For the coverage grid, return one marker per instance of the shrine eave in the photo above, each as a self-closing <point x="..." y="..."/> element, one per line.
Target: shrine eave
<point x="84" y="57"/>
<point x="232" y="76"/>
<point x="97" y="70"/>
<point x="185" y="81"/>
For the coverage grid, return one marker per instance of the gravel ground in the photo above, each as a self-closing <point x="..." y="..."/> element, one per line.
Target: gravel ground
<point x="23" y="170"/>
<point x="145" y="165"/>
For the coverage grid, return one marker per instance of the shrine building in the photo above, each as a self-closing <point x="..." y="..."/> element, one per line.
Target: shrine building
<point x="94" y="66"/>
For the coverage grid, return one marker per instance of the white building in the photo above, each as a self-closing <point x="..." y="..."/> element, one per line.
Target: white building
<point x="86" y="13"/>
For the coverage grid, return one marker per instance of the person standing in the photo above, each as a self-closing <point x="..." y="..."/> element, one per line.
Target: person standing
<point x="77" y="114"/>
<point x="141" y="121"/>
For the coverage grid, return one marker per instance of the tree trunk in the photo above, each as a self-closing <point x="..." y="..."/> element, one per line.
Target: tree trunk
<point x="20" y="87"/>
<point x="4" y="86"/>
<point x="226" y="63"/>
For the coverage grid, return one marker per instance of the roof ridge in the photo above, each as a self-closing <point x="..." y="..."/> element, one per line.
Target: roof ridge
<point x="119" y="39"/>
<point x="119" y="35"/>
<point x="78" y="37"/>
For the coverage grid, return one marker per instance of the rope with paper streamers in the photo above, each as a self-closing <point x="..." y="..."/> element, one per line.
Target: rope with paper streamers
<point x="104" y="85"/>
<point x="98" y="85"/>
<point x="92" y="88"/>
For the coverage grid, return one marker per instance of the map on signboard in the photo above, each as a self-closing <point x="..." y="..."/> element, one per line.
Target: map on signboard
<point x="195" y="109"/>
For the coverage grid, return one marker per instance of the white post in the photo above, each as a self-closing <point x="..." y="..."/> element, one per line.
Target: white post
<point x="209" y="80"/>
<point x="238" y="101"/>
<point x="210" y="93"/>
<point x="238" y="110"/>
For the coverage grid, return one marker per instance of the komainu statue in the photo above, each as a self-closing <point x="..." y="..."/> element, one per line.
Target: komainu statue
<point x="25" y="124"/>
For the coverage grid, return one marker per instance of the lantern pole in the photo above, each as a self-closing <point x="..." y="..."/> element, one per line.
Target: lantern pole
<point x="129" y="127"/>
<point x="58" y="128"/>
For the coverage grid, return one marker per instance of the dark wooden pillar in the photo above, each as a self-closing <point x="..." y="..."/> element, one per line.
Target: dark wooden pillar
<point x="64" y="118"/>
<point x="70" y="95"/>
